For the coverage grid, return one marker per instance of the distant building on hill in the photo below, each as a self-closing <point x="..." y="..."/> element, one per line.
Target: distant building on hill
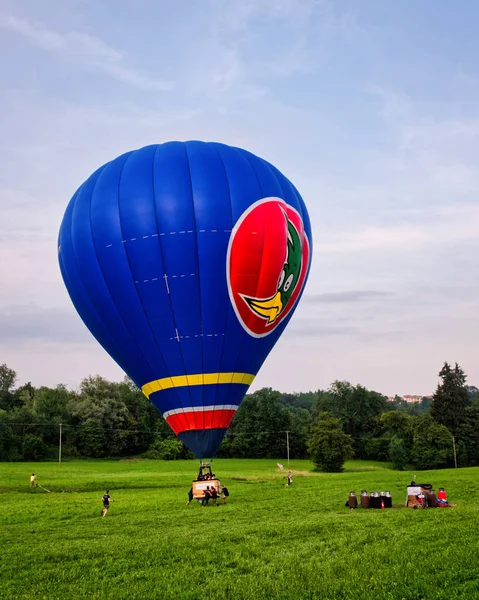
<point x="410" y="399"/>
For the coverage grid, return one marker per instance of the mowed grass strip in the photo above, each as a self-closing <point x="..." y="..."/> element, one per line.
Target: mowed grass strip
<point x="268" y="541"/>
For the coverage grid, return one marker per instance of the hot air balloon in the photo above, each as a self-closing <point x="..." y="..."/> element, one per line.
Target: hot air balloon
<point x="186" y="261"/>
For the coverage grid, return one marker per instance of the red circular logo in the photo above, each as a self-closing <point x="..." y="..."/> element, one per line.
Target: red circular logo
<point x="267" y="261"/>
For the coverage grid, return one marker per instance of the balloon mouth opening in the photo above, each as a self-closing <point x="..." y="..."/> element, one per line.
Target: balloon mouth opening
<point x="204" y="443"/>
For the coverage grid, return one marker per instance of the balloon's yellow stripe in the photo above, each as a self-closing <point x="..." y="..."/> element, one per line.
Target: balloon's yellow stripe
<point x="200" y="379"/>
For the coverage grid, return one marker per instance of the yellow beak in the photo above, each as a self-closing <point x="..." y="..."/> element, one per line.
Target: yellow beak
<point x="267" y="308"/>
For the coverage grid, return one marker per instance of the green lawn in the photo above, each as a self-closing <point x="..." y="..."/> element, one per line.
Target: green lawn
<point x="269" y="541"/>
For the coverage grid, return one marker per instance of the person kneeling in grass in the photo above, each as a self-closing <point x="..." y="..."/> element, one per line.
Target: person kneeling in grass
<point x="106" y="503"/>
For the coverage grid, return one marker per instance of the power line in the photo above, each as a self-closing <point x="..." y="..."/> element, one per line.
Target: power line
<point x="101" y="427"/>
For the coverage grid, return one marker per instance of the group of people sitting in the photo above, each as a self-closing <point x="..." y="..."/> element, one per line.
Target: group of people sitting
<point x="205" y="477"/>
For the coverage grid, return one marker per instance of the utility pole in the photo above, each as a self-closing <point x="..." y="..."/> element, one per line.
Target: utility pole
<point x="60" y="447"/>
<point x="454" y="447"/>
<point x="287" y="445"/>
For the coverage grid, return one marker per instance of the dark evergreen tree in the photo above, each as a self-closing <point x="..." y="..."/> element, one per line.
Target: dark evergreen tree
<point x="467" y="437"/>
<point x="451" y="398"/>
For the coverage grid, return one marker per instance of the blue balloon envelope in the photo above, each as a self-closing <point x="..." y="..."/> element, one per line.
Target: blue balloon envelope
<point x="186" y="261"/>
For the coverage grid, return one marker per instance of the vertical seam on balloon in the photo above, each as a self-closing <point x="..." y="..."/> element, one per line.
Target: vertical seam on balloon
<point x="164" y="269"/>
<point x="228" y="311"/>
<point x="76" y="261"/>
<point x="63" y="269"/>
<point x="262" y="249"/>
<point x="125" y="247"/>
<point x="201" y="339"/>
<point x="243" y="155"/>
<point x="103" y="274"/>
<point x="247" y="155"/>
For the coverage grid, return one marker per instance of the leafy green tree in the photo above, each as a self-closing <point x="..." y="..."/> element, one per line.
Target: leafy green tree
<point x="259" y="426"/>
<point x="303" y="400"/>
<point x="425" y="404"/>
<point x="107" y="418"/>
<point x="329" y="447"/>
<point x="102" y="416"/>
<point x="168" y="449"/>
<point x="398" y="453"/>
<point x="90" y="439"/>
<point x="300" y="428"/>
<point x="389" y="425"/>
<point x="432" y="445"/>
<point x="25" y="396"/>
<point x="451" y="398"/>
<point x="10" y="442"/>
<point x="8" y="378"/>
<point x="376" y="447"/>
<point x="52" y="403"/>
<point x="34" y="448"/>
<point x="396" y="423"/>
<point x="142" y="416"/>
<point x="356" y="407"/>
<point x="461" y="454"/>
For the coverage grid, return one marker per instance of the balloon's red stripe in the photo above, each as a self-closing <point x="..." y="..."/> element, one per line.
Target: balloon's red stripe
<point x="182" y="422"/>
<point x="209" y="419"/>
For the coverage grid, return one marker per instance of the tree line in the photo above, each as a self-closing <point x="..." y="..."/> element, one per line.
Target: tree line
<point x="104" y="419"/>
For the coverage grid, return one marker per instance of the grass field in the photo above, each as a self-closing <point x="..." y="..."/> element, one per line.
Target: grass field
<point x="268" y="541"/>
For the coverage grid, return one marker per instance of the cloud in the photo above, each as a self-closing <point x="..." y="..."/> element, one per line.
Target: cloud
<point x="431" y="155"/>
<point x="239" y="16"/>
<point x="395" y="106"/>
<point x="234" y="60"/>
<point x="433" y="227"/>
<point x="313" y="328"/>
<point x="352" y="326"/>
<point x="345" y="297"/>
<point x="86" y="51"/>
<point x="22" y="324"/>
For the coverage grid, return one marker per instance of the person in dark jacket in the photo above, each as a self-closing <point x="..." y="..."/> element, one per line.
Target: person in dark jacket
<point x="224" y="494"/>
<point x="106" y="503"/>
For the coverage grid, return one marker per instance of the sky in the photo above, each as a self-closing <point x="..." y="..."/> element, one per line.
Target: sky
<point x="371" y="108"/>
